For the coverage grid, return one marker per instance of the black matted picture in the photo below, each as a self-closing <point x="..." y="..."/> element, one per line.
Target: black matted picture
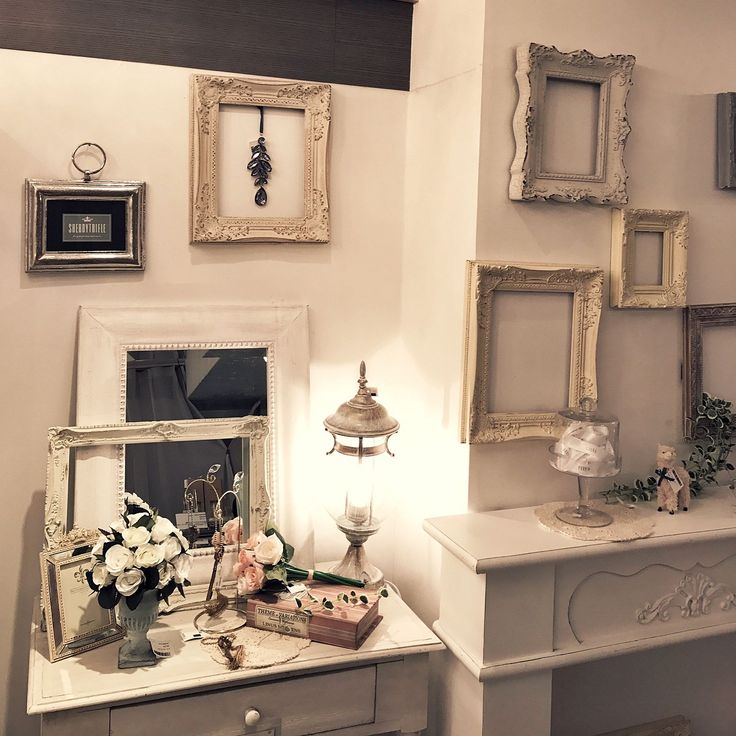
<point x="81" y="226"/>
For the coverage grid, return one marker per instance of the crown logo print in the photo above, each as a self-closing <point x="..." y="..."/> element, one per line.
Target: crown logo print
<point x="87" y="219"/>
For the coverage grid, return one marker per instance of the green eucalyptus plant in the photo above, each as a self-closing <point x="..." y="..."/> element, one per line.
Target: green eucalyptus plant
<point x="714" y="431"/>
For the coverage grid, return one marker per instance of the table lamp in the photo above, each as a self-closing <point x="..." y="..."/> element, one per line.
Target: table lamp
<point x="360" y="429"/>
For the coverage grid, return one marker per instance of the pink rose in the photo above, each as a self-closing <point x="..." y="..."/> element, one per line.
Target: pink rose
<point x="254" y="540"/>
<point x="245" y="559"/>
<point x="232" y="531"/>
<point x="251" y="580"/>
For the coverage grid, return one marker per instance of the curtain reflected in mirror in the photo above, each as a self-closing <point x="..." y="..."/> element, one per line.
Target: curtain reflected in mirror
<point x="192" y="384"/>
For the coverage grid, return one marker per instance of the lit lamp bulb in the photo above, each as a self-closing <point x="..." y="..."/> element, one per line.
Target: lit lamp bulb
<point x="360" y="430"/>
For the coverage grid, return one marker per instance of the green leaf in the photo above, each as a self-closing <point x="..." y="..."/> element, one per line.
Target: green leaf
<point x="152" y="577"/>
<point x="90" y="582"/>
<point x="384" y="592"/>
<point x="329" y="605"/>
<point x="134" y="600"/>
<point x="364" y="599"/>
<point x="108" y="596"/>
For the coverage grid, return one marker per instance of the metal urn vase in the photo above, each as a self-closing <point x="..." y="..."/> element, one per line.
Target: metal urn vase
<point x="136" y="651"/>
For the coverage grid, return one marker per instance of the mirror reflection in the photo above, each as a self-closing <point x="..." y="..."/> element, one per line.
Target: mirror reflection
<point x="181" y="384"/>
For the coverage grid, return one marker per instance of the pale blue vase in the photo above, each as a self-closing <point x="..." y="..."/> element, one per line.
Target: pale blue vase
<point x="136" y="651"/>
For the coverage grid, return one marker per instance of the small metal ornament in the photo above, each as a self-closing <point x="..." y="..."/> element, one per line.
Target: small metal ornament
<point x="260" y="166"/>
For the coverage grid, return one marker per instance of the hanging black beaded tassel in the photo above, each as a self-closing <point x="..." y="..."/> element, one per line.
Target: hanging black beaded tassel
<point x="260" y="166"/>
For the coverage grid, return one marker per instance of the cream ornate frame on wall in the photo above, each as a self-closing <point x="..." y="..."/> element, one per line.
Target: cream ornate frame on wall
<point x="63" y="439"/>
<point x="607" y="184"/>
<point x="208" y="93"/>
<point x="697" y="318"/>
<point x="484" y="278"/>
<point x="672" y="292"/>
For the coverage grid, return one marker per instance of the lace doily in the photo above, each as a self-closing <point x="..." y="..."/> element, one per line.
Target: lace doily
<point x="261" y="648"/>
<point x="628" y="524"/>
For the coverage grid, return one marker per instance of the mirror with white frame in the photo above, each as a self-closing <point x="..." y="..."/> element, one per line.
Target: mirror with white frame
<point x="191" y="363"/>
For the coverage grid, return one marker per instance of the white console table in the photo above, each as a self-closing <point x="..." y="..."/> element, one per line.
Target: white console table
<point x="379" y="689"/>
<point x="519" y="601"/>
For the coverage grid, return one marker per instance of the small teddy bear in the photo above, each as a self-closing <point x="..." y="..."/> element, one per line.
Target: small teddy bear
<point x="673" y="483"/>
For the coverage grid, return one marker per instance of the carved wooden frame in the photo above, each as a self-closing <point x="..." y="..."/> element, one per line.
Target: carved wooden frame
<point x="674" y="726"/>
<point x="726" y="137"/>
<point x="483" y="278"/>
<point x="63" y="439"/>
<point x="208" y="93"/>
<point x="697" y="318"/>
<point x="607" y="185"/>
<point x="672" y="292"/>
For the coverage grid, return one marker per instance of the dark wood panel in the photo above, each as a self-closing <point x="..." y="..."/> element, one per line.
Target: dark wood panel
<point x="364" y="42"/>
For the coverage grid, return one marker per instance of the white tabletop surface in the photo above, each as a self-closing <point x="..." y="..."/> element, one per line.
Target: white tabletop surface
<point x="496" y="539"/>
<point x="93" y="678"/>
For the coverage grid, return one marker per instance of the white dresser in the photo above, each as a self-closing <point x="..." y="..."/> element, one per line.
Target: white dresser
<point x="379" y="689"/>
<point x="519" y="601"/>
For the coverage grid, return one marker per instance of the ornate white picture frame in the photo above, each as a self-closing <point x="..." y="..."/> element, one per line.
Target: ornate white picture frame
<point x="75" y="622"/>
<point x="207" y="225"/>
<point x="479" y="423"/>
<point x="535" y="64"/>
<point x="672" y="291"/>
<point x="63" y="439"/>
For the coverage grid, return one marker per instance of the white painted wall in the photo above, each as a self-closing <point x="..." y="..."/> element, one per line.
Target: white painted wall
<point x="684" y="56"/>
<point x="140" y="115"/>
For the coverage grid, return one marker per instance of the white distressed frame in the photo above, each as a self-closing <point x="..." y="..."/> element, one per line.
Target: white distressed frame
<point x="607" y="184"/>
<point x="483" y="279"/>
<point x="207" y="226"/>
<point x="672" y="292"/>
<point x="106" y="334"/>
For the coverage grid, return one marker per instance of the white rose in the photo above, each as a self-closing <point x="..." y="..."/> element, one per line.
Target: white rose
<point x="182" y="539"/>
<point x="149" y="555"/>
<point x="118" y="526"/>
<point x="134" y="498"/>
<point x="269" y="551"/>
<point x="135" y="536"/>
<point x="162" y="529"/>
<point x="100" y="575"/>
<point x="133" y="519"/>
<point x="118" y="558"/>
<point x="171" y="547"/>
<point x="99" y="544"/>
<point x="129" y="582"/>
<point x="182" y="565"/>
<point x="164" y="574"/>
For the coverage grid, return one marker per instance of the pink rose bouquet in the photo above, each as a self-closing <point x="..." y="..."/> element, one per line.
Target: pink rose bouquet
<point x="265" y="564"/>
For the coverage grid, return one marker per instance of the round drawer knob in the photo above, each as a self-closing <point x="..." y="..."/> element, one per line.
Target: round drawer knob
<point x="252" y="716"/>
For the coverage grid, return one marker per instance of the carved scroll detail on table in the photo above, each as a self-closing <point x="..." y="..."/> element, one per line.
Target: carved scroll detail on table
<point x="693" y="597"/>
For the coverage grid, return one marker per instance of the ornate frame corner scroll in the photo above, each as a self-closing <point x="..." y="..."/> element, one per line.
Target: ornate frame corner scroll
<point x="672" y="292"/>
<point x="63" y="439"/>
<point x="697" y="318"/>
<point x="207" y="226"/>
<point x="481" y="425"/>
<point x="726" y="137"/>
<point x="535" y="64"/>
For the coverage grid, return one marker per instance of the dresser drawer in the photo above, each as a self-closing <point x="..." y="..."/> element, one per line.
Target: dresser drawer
<point x="298" y="706"/>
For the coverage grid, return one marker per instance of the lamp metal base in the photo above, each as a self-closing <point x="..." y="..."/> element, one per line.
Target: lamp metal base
<point x="355" y="565"/>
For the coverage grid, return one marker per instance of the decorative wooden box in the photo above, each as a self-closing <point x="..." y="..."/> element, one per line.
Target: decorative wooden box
<point x="345" y="625"/>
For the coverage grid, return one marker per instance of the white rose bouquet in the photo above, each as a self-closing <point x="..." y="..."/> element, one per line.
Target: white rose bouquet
<point x="265" y="564"/>
<point x="142" y="551"/>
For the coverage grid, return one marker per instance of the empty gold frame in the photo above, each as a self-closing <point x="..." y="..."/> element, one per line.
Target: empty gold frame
<point x="606" y="184"/>
<point x="672" y="290"/>
<point x="207" y="225"/>
<point x="480" y="424"/>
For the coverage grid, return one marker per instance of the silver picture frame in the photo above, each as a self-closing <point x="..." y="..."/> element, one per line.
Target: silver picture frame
<point x="84" y="226"/>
